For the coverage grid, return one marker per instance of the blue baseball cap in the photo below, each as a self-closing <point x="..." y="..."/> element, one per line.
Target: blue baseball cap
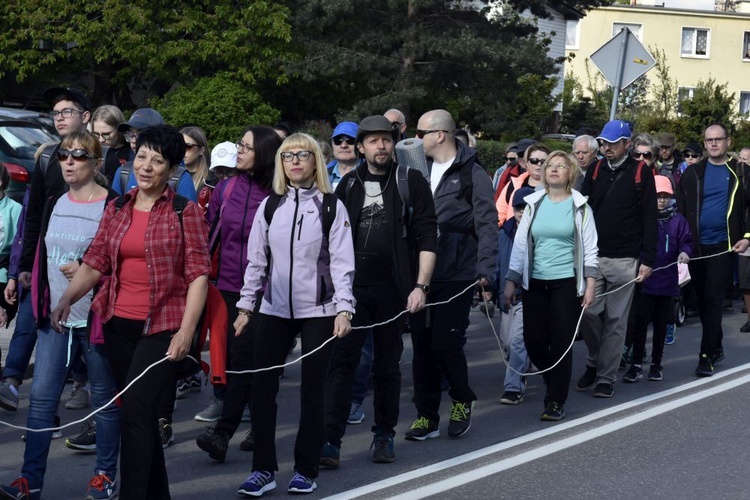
<point x="346" y="128"/>
<point x="142" y="118"/>
<point x="519" y="195"/>
<point x="615" y="131"/>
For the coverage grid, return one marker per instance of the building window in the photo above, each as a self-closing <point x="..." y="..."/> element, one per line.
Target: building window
<point x="635" y="28"/>
<point x="745" y="105"/>
<point x="746" y="47"/>
<point x="695" y="42"/>
<point x="682" y="94"/>
<point x="572" y="34"/>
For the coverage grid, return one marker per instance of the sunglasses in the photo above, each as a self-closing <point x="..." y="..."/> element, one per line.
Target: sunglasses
<point x="77" y="154"/>
<point x="536" y="161"/>
<point x="639" y="154"/>
<point x="691" y="155"/>
<point x="511" y="159"/>
<point x="189" y="146"/>
<point x="343" y="139"/>
<point x="422" y="133"/>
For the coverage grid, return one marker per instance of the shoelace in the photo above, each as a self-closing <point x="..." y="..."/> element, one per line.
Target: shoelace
<point x="299" y="477"/>
<point x="22" y="485"/>
<point x="99" y="482"/>
<point x="258" y="478"/>
<point x="421" y="423"/>
<point x="459" y="412"/>
<point x="381" y="440"/>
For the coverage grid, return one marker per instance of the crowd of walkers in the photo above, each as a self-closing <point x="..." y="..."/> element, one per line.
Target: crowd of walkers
<point x="136" y="241"/>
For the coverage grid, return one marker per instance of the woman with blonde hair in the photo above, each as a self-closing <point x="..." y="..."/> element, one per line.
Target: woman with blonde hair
<point x="104" y="122"/>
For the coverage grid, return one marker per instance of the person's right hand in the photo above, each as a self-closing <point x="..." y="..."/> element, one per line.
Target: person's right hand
<point x="59" y="315"/>
<point x="24" y="278"/>
<point x="240" y="323"/>
<point x="509" y="295"/>
<point x="10" y="291"/>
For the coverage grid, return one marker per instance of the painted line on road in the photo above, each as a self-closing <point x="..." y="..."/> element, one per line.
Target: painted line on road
<point x="527" y="438"/>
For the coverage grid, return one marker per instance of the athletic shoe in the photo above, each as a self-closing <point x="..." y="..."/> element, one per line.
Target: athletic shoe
<point x="383" y="444"/>
<point x="257" y="483"/>
<point x="511" y="398"/>
<point x="79" y="399"/>
<point x="55" y="434"/>
<point x="633" y="374"/>
<point x="301" y="484"/>
<point x="248" y="444"/>
<point x="101" y="487"/>
<point x="195" y="383"/>
<point x="460" y="421"/>
<point x="587" y="380"/>
<point x="20" y="490"/>
<point x="488" y="310"/>
<point x="669" y="340"/>
<point x="553" y="412"/>
<point x="718" y="356"/>
<point x="705" y="367"/>
<point x="246" y="415"/>
<point x="165" y="431"/>
<point x="8" y="396"/>
<point x="214" y="444"/>
<point x="422" y="429"/>
<point x="330" y="456"/>
<point x="86" y="440"/>
<point x="745" y="328"/>
<point x="604" y="390"/>
<point x="356" y="414"/>
<point x="212" y="413"/>
<point x="183" y="388"/>
<point x="654" y="373"/>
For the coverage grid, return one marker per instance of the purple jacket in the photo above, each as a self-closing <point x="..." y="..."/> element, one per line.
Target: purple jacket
<point x="674" y="237"/>
<point x="237" y="220"/>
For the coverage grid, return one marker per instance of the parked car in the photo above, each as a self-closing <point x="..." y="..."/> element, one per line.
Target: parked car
<point x="44" y="119"/>
<point x="19" y="141"/>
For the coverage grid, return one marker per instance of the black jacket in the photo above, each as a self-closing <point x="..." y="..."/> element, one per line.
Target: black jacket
<point x="421" y="225"/>
<point x="690" y="200"/>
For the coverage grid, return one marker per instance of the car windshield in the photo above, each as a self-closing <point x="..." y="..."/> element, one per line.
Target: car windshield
<point x="23" y="141"/>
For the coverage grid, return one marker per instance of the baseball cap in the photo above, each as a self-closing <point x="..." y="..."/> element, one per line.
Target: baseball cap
<point x="345" y="128"/>
<point x="52" y="94"/>
<point x="142" y="118"/>
<point x="694" y="147"/>
<point x="665" y="139"/>
<point x="663" y="184"/>
<point x="615" y="131"/>
<point x="224" y="154"/>
<point x="519" y="195"/>
<point x="376" y="123"/>
<point x="522" y="146"/>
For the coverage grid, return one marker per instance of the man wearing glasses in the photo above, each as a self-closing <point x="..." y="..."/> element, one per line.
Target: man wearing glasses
<point x="713" y="196"/>
<point x="622" y="196"/>
<point x="344" y="155"/>
<point x="398" y="122"/>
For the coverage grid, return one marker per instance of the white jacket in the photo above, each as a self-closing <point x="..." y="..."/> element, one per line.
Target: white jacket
<point x="585" y="250"/>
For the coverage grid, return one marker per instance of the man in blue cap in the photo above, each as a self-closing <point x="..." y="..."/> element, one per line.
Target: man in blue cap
<point x="344" y="154"/>
<point x="622" y="196"/>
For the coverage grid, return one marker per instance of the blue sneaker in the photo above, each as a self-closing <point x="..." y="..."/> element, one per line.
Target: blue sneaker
<point x="301" y="484"/>
<point x="669" y="340"/>
<point x="257" y="483"/>
<point x="101" y="487"/>
<point x="20" y="490"/>
<point x="356" y="414"/>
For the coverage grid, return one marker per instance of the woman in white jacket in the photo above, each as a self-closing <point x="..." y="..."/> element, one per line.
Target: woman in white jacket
<point x="554" y="259"/>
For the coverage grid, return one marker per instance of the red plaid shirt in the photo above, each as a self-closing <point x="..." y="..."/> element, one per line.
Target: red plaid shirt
<point x="172" y="265"/>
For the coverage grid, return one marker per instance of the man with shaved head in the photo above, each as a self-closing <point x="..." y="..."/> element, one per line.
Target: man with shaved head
<point x="467" y="252"/>
<point x="398" y="120"/>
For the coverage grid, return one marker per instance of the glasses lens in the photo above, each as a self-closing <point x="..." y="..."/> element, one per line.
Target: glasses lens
<point x="536" y="161"/>
<point x="692" y="155"/>
<point x="77" y="154"/>
<point x="639" y="154"/>
<point x="343" y="139"/>
<point x="303" y="155"/>
<point x="189" y="146"/>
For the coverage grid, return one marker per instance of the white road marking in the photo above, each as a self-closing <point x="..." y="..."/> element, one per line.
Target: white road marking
<point x="501" y="465"/>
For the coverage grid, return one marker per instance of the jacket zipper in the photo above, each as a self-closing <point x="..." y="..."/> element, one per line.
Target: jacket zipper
<point x="291" y="253"/>
<point x="299" y="231"/>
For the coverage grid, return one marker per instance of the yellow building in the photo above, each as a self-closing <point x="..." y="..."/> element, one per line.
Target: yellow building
<point x="698" y="44"/>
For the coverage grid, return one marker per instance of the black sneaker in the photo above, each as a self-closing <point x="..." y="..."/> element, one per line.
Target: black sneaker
<point x="86" y="441"/>
<point x="745" y="328"/>
<point x="604" y="390"/>
<point x="718" y="356"/>
<point x="330" y="456"/>
<point x="634" y="374"/>
<point x="214" y="444"/>
<point x="587" y="380"/>
<point x="248" y="444"/>
<point x="654" y="373"/>
<point x="511" y="398"/>
<point x="383" y="444"/>
<point x="460" y="421"/>
<point x="553" y="412"/>
<point x="705" y="367"/>
<point x="165" y="431"/>
<point x="422" y="429"/>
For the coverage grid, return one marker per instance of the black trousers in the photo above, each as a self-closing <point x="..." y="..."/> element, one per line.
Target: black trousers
<point x="550" y="312"/>
<point x="656" y="309"/>
<point x="712" y="277"/>
<point x="374" y="305"/>
<point x="438" y="337"/>
<point x="272" y="339"/>
<point x="143" y="471"/>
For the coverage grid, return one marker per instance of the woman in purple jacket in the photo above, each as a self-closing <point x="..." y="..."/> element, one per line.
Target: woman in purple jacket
<point x="230" y="213"/>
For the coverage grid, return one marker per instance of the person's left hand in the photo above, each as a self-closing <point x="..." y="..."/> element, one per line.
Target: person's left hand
<point x="69" y="269"/>
<point x="588" y="295"/>
<point x="179" y="347"/>
<point x="643" y="273"/>
<point x="341" y="326"/>
<point x="416" y="300"/>
<point x="683" y="258"/>
<point x="741" y="246"/>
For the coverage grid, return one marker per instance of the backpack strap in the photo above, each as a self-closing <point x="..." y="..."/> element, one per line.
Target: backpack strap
<point x="639" y="175"/>
<point x="174" y="179"/>
<point x="596" y="170"/>
<point x="46" y="155"/>
<point x="329" y="213"/>
<point x="402" y="183"/>
<point x="178" y="205"/>
<point x="125" y="177"/>
<point x="466" y="183"/>
<point x="215" y="230"/>
<point x="272" y="203"/>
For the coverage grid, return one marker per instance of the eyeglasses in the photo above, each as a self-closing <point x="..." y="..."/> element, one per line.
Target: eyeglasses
<point x="77" y="154"/>
<point x="338" y="140"/>
<point x="65" y="113"/>
<point x="131" y="136"/>
<point x="189" y="146"/>
<point x="105" y="136"/>
<point x="510" y="159"/>
<point x="691" y="155"/>
<point x="642" y="154"/>
<point x="663" y="197"/>
<point x="244" y="148"/>
<point x="714" y="140"/>
<point x="536" y="161"/>
<point x="422" y="133"/>
<point x="558" y="166"/>
<point x="300" y="155"/>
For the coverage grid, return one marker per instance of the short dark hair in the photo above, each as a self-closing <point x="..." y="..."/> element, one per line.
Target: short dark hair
<point x="284" y="127"/>
<point x="266" y="142"/>
<point x="165" y="140"/>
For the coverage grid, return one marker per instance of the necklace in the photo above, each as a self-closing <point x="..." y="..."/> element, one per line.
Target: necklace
<point x="382" y="190"/>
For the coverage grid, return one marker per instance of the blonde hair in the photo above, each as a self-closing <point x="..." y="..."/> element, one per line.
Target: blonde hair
<point x="573" y="169"/>
<point x="306" y="142"/>
<point x="201" y="173"/>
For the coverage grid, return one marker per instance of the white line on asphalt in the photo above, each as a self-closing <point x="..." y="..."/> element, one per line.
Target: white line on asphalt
<point x="474" y="455"/>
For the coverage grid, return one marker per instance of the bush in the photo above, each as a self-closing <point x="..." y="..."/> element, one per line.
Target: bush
<point x="491" y="154"/>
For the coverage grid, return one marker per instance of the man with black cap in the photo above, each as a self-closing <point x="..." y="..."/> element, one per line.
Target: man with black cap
<point x="344" y="154"/>
<point x="394" y="247"/>
<point x="669" y="157"/>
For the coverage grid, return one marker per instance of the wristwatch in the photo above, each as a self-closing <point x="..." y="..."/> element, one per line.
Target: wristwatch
<point x="349" y="315"/>
<point x="424" y="288"/>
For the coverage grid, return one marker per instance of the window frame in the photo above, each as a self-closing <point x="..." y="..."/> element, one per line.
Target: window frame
<point x="696" y="29"/>
<point x="745" y="55"/>
<point x="746" y="115"/>
<point x="577" y="44"/>
<point x="623" y="24"/>
<point x="691" y="93"/>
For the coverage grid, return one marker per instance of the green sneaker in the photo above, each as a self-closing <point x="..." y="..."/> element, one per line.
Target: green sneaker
<point x="460" y="418"/>
<point x="422" y="429"/>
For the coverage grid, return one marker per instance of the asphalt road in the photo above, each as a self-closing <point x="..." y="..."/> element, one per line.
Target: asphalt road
<point x="683" y="437"/>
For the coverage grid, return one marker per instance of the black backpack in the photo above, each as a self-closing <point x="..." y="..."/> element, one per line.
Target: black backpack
<point x="329" y="210"/>
<point x="125" y="170"/>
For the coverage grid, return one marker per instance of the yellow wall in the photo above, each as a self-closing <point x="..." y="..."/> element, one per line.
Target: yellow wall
<point x="662" y="28"/>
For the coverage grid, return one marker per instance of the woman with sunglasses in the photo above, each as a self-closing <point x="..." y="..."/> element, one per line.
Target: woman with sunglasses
<point x="69" y="223"/>
<point x="692" y="154"/>
<point x="536" y="154"/>
<point x="309" y="292"/>
<point x="646" y="149"/>
<point x="197" y="158"/>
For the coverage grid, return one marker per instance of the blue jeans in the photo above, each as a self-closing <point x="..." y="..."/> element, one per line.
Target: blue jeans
<point x="23" y="340"/>
<point x="49" y="379"/>
<point x="511" y="333"/>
